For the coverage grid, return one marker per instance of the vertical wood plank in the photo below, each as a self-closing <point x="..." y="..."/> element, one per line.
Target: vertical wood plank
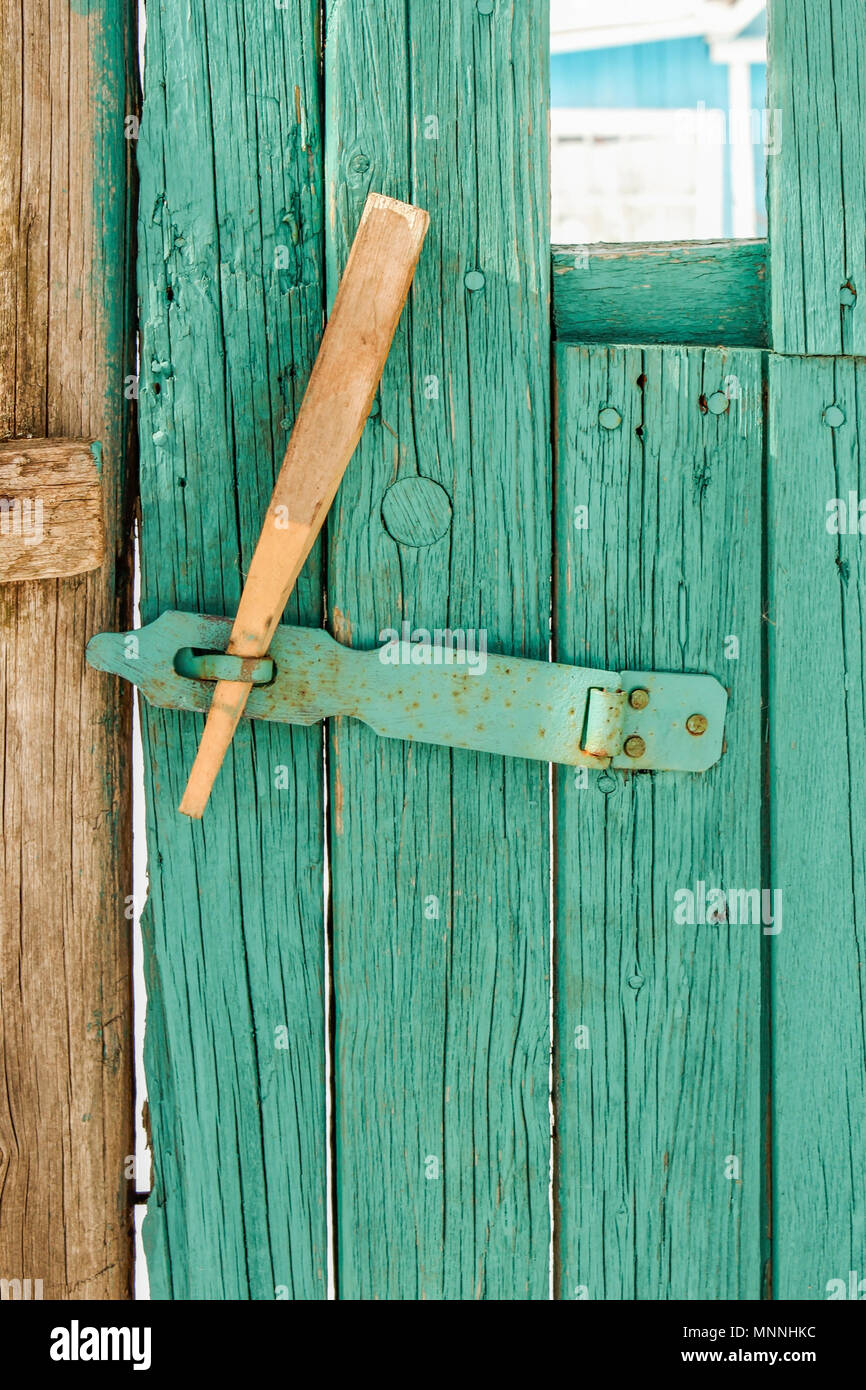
<point x="230" y="282"/>
<point x="66" y="343"/>
<point x="817" y="175"/>
<point x="439" y="859"/>
<point x="817" y="575"/>
<point x="657" y="1023"/>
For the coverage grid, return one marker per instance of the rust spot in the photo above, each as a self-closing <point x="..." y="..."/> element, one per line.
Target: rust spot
<point x="338" y="784"/>
<point x="702" y="402"/>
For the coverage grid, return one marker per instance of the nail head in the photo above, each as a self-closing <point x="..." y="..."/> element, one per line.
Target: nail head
<point x="634" y="746"/>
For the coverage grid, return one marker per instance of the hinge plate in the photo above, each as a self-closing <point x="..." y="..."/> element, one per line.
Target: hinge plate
<point x="662" y="724"/>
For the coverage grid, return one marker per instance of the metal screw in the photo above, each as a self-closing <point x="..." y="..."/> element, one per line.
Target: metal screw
<point x="484" y="6"/>
<point x="697" y="724"/>
<point x="718" y="403"/>
<point x="847" y="296"/>
<point x="634" y="746"/>
<point x="609" y="419"/>
<point x="473" y="280"/>
<point x="639" y="699"/>
<point x="834" y="417"/>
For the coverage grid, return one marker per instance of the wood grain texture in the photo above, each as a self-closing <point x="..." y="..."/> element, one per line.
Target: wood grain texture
<point x="440" y="860"/>
<point x="817" y="726"/>
<point x="694" y="292"/>
<point x="51" y="524"/>
<point x="230" y="282"/>
<point x="66" y="343"/>
<point x="665" y="1083"/>
<point x="817" y="175"/>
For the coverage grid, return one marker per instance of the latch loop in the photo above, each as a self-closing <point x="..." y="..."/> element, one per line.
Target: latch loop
<point x="219" y="666"/>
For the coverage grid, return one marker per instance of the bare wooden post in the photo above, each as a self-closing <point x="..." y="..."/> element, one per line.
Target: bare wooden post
<point x="66" y="82"/>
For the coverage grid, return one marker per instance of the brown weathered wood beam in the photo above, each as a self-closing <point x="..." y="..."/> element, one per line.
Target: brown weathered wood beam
<point x="66" y="82"/>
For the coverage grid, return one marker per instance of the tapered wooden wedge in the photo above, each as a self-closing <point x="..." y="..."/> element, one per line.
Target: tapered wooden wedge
<point x="336" y="404"/>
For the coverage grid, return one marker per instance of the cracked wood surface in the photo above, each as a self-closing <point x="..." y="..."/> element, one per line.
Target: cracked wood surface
<point x="440" y="858"/>
<point x="658" y="1078"/>
<point x="65" y="940"/>
<point x="231" y="291"/>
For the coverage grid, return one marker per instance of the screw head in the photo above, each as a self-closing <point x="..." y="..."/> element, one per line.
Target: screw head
<point x="834" y="417"/>
<point x="484" y="6"/>
<point x="718" y="403"/>
<point x="697" y="724"/>
<point x="639" y="699"/>
<point x="847" y="296"/>
<point x="609" y="418"/>
<point x="473" y="280"/>
<point x="634" y="746"/>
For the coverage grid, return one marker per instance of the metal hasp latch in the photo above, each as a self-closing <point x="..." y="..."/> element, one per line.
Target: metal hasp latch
<point x="433" y="694"/>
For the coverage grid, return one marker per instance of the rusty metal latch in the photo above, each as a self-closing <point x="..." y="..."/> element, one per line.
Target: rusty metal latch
<point x="449" y="693"/>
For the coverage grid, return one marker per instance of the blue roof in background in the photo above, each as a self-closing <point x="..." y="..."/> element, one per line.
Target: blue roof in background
<point x="670" y="73"/>
<point x="757" y="29"/>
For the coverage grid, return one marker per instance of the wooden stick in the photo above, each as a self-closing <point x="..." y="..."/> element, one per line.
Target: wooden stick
<point x="333" y="412"/>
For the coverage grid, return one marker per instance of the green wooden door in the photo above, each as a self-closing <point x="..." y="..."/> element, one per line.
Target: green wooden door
<point x="391" y="943"/>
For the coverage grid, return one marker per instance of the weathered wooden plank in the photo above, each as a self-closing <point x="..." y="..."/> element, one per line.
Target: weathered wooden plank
<point x="658" y="1024"/>
<point x="440" y="860"/>
<point x="817" y="175"/>
<point x="66" y="343"/>
<point x="817" y="585"/>
<point x="694" y="292"/>
<point x="231" y="291"/>
<point x="51" y="524"/>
